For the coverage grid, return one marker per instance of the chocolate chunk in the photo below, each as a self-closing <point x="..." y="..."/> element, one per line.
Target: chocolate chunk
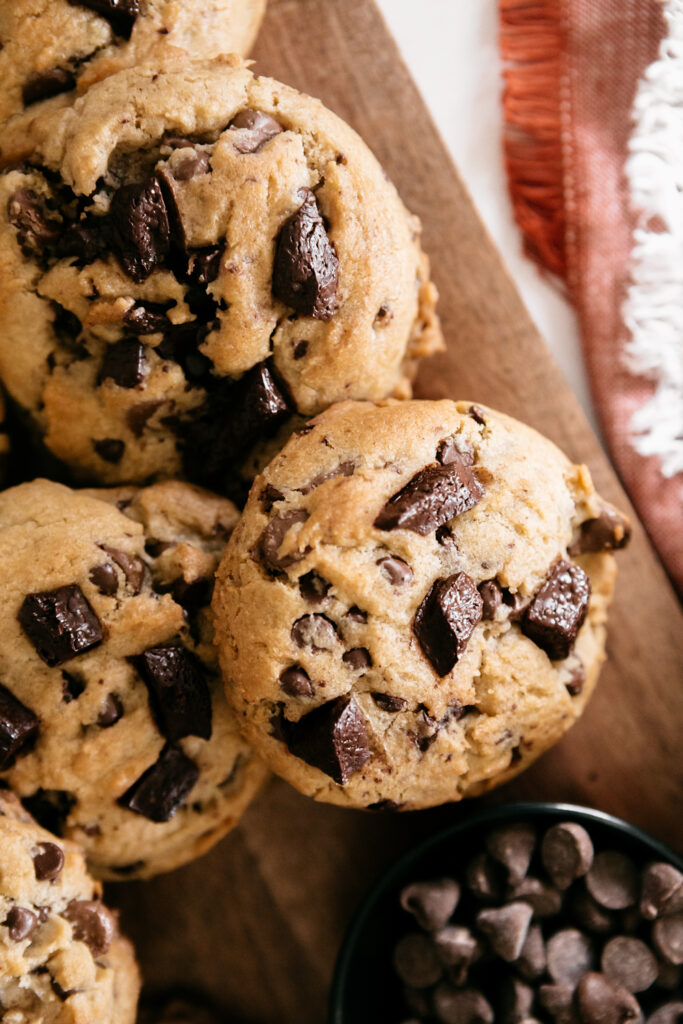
<point x="91" y="923"/>
<point x="434" y="496"/>
<point x="133" y="568"/>
<point x="557" y="611"/>
<point x="146" y="318"/>
<point x="193" y="596"/>
<point x="661" y="890"/>
<point x="512" y="846"/>
<point x="608" y="531"/>
<point x="139" y="228"/>
<point x="120" y="14"/>
<point x="43" y="84"/>
<point x="630" y="963"/>
<point x="570" y="954"/>
<point x="612" y="880"/>
<point x="273" y="535"/>
<point x="601" y="1001"/>
<point x="356" y="614"/>
<point x="492" y="598"/>
<point x="50" y="808"/>
<point x="397" y="572"/>
<point x="306" y="266"/>
<point x="18" y="728"/>
<point x="576" y="679"/>
<point x="178" y="693"/>
<point x="72" y="687"/>
<point x="255" y="129"/>
<point x="124" y="362"/>
<point x="295" y="682"/>
<point x="416" y="962"/>
<point x="531" y="962"/>
<point x="313" y="588"/>
<point x="181" y="345"/>
<point x="48" y="861"/>
<point x="567" y="853"/>
<point x="21" y="921"/>
<point x="343" y="469"/>
<point x="516" y="603"/>
<point x="545" y="900"/>
<point x="104" y="578"/>
<point x="446" y="620"/>
<point x="36" y="233"/>
<point x="431" y="903"/>
<point x="203" y="265"/>
<point x="506" y="928"/>
<point x="462" y="1006"/>
<point x="667" y="934"/>
<point x="110" y="449"/>
<point x="191" y="165"/>
<point x="455" y="449"/>
<point x="111" y="711"/>
<point x="477" y="414"/>
<point x="84" y="241"/>
<point x="332" y="738"/>
<point x="358" y="659"/>
<point x="316" y="631"/>
<point x="387" y="702"/>
<point x="163" y="788"/>
<point x="60" y="624"/>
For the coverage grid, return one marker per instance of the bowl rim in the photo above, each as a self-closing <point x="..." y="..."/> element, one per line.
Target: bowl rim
<point x="488" y="815"/>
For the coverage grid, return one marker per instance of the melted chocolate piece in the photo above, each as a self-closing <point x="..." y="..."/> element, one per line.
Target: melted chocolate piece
<point x="21" y="921"/>
<point x="434" y="496"/>
<point x="18" y="728"/>
<point x="178" y="692"/>
<point x="72" y="687"/>
<point x="60" y="624"/>
<point x="313" y="588"/>
<point x="306" y="266"/>
<point x="111" y="711"/>
<point x="396" y="570"/>
<point x="48" y="861"/>
<point x="256" y="129"/>
<point x="191" y="165"/>
<point x="124" y="362"/>
<point x="332" y="738"/>
<point x="139" y="228"/>
<point x="50" y="808"/>
<point x="110" y="449"/>
<point x="120" y="14"/>
<point x="146" y="318"/>
<point x="163" y="788"/>
<point x="387" y="702"/>
<point x="43" y="84"/>
<point x="455" y="450"/>
<point x="133" y="568"/>
<point x="91" y="923"/>
<point x="270" y="496"/>
<point x="446" y="619"/>
<point x="557" y="611"/>
<point x="608" y="531"/>
<point x="35" y="231"/>
<point x="273" y="536"/>
<point x="104" y="578"/>
<point x="492" y="597"/>
<point x="295" y="682"/>
<point x="138" y="416"/>
<point x="315" y="631"/>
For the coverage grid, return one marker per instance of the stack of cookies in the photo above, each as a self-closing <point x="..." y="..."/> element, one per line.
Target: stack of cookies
<point x="255" y="551"/>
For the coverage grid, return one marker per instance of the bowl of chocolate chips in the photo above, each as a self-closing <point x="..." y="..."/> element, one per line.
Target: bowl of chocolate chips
<point x="528" y="913"/>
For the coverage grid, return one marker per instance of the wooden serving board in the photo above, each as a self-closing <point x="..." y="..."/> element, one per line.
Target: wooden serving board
<point x="258" y="921"/>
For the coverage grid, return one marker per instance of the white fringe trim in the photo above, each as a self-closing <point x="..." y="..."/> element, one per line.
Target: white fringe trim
<point x="653" y="310"/>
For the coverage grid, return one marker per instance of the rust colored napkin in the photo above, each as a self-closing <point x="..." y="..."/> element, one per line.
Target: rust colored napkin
<point x="591" y="135"/>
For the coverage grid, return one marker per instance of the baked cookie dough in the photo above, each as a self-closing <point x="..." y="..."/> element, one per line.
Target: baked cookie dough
<point x="51" y="48"/>
<point x="114" y="730"/>
<point x="201" y="255"/>
<point x="62" y="957"/>
<point x="412" y="607"/>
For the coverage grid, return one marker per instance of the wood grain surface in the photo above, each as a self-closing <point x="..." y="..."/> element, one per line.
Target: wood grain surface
<point x="258" y="921"/>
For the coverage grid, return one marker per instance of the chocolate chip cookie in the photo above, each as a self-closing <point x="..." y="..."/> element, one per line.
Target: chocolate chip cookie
<point x="62" y="957"/>
<point x="413" y="606"/>
<point x="203" y="256"/>
<point x="52" y="50"/>
<point x="114" y="730"/>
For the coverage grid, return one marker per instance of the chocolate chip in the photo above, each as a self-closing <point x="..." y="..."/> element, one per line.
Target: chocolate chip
<point x="630" y="963"/>
<point x="589" y="914"/>
<point x="484" y="878"/>
<point x="667" y="934"/>
<point x="661" y="890"/>
<point x="566" y="852"/>
<point x="313" y="588"/>
<point x="300" y="349"/>
<point x="91" y="923"/>
<point x="531" y="962"/>
<point x="43" y="84"/>
<point x="50" y="808"/>
<point x="124" y="362"/>
<point x="416" y="962"/>
<point x="48" y="861"/>
<point x="506" y="928"/>
<point x="512" y="846"/>
<point x="343" y="469"/>
<point x="139" y="228"/>
<point x="306" y="266"/>
<point x="612" y="880"/>
<point x="446" y="620"/>
<point x="608" y="531"/>
<point x="120" y="14"/>
<point x="462" y="1006"/>
<point x="133" y="568"/>
<point x="387" y="702"/>
<point x="516" y="1001"/>
<point x="178" y="693"/>
<point x="163" y="788"/>
<point x="570" y="954"/>
<point x="21" y="921"/>
<point x="18" y="728"/>
<point x="601" y="1001"/>
<point x="545" y="900"/>
<point x="109" y="449"/>
<point x="146" y="318"/>
<point x="557" y="1000"/>
<point x="431" y="903"/>
<point x="430" y="499"/>
<point x="72" y="687"/>
<point x="669" y="1013"/>
<point x="255" y="129"/>
<point x="356" y="614"/>
<point x="316" y="631"/>
<point x="104" y="578"/>
<point x="60" y="624"/>
<point x="191" y="165"/>
<point x="111" y="711"/>
<point x="492" y="598"/>
<point x="396" y="570"/>
<point x="203" y="265"/>
<point x="35" y="231"/>
<point x="273" y="535"/>
<point x="332" y="738"/>
<point x="455" y="945"/>
<point x="295" y="682"/>
<point x="557" y="611"/>
<point x="358" y="659"/>
<point x="477" y="414"/>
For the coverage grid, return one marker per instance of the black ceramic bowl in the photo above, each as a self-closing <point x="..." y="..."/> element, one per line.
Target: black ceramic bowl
<point x="365" y="989"/>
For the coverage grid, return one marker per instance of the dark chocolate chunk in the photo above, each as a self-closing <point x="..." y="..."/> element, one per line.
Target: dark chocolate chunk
<point x="111" y="711"/>
<point x="35" y="231"/>
<point x="133" y="568"/>
<point x="181" y="345"/>
<point x="343" y="469"/>
<point x="446" y="619"/>
<point x="608" y="531"/>
<point x="72" y="687"/>
<point x="18" y="728"/>
<point x="193" y="596"/>
<point x="397" y="572"/>
<point x="146" y="318"/>
<point x="313" y="588"/>
<point x="139" y="228"/>
<point x="273" y="535"/>
<point x="255" y="129"/>
<point x="434" y="496"/>
<point x="84" y="241"/>
<point x="66" y="324"/>
<point x="50" y="808"/>
<point x="358" y="659"/>
<point x="332" y="738"/>
<point x="104" y="578"/>
<point x="91" y="923"/>
<point x="306" y="266"/>
<point x="120" y="14"/>
<point x="316" y="631"/>
<point x="295" y="682"/>
<point x="110" y="449"/>
<point x="124" y="362"/>
<point x="203" y="265"/>
<point x="163" y="788"/>
<point x="455" y="449"/>
<point x="601" y="1001"/>
<point x="60" y="624"/>
<point x="492" y="597"/>
<point x="557" y="611"/>
<point x="178" y="692"/>
<point x="431" y="903"/>
<point x="43" y="84"/>
<point x="21" y="921"/>
<point x="48" y="861"/>
<point x="387" y="702"/>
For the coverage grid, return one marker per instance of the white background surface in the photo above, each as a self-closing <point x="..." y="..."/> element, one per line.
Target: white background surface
<point x="451" y="49"/>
